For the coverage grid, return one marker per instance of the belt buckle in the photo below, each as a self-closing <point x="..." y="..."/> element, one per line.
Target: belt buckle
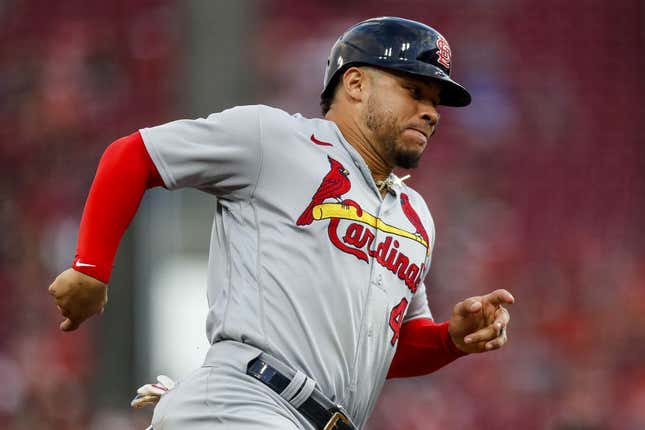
<point x="337" y="416"/>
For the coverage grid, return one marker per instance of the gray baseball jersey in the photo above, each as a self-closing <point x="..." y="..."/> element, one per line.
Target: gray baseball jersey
<point x="307" y="261"/>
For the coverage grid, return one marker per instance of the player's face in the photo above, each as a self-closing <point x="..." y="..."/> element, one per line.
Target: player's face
<point x="401" y="114"/>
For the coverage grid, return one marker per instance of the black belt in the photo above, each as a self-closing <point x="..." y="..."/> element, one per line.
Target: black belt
<point x="324" y="414"/>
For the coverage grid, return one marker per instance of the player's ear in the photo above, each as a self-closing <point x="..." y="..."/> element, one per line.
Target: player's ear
<point x="355" y="82"/>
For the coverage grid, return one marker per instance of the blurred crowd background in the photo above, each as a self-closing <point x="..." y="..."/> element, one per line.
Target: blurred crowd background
<point x="537" y="187"/>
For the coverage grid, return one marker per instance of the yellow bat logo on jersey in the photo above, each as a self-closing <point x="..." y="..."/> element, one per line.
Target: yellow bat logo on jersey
<point x="338" y="210"/>
<point x="359" y="240"/>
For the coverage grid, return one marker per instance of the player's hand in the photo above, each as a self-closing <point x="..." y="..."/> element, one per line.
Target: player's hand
<point x="478" y="324"/>
<point x="78" y="297"/>
<point x="150" y="394"/>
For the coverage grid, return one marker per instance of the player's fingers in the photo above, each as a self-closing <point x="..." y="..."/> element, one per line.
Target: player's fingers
<point x="502" y="316"/>
<point x="143" y="401"/>
<point x="64" y="312"/>
<point x="69" y="325"/>
<point x="146" y="403"/>
<point x="498" y="342"/>
<point x="58" y="287"/>
<point x="499" y="297"/>
<point x="485" y="334"/>
<point x="54" y="289"/>
<point x="468" y="306"/>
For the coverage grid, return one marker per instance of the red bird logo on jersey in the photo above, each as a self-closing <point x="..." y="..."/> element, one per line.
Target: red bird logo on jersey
<point x="334" y="185"/>
<point x="319" y="142"/>
<point x="412" y="215"/>
<point x="355" y="231"/>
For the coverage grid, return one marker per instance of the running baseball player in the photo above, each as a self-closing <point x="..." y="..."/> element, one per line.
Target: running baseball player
<point x="318" y="251"/>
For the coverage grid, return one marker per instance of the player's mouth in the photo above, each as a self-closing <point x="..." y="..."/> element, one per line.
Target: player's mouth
<point x="419" y="134"/>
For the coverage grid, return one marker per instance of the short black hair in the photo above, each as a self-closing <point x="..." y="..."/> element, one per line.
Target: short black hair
<point x="327" y="97"/>
<point x="325" y="103"/>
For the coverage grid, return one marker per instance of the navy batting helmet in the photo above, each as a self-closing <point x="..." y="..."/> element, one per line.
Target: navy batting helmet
<point x="396" y="44"/>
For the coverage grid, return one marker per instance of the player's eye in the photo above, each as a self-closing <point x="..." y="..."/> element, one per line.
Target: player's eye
<point x="415" y="92"/>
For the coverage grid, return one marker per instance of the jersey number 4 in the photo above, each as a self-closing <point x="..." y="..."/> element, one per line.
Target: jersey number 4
<point x="396" y="319"/>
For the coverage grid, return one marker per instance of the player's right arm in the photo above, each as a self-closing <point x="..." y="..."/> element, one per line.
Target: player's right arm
<point x="123" y="174"/>
<point x="220" y="155"/>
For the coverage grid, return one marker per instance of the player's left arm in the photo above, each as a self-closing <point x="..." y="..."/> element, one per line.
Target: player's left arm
<point x="478" y="324"/>
<point x="423" y="347"/>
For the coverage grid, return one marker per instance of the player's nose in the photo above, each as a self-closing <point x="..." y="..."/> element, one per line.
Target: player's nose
<point x="428" y="113"/>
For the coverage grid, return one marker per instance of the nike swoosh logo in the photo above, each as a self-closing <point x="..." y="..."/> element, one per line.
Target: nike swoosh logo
<point x="79" y="264"/>
<point x="319" y="142"/>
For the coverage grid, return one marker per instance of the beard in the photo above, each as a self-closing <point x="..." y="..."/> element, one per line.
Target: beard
<point x="382" y="123"/>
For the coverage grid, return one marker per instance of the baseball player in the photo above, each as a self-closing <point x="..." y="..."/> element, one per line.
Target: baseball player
<point x="318" y="251"/>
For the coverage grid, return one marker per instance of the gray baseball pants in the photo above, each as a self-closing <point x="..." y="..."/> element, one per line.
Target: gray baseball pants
<point x="220" y="395"/>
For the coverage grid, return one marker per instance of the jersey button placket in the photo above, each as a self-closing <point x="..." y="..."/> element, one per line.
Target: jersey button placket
<point x="379" y="284"/>
<point x="378" y="281"/>
<point x="367" y="329"/>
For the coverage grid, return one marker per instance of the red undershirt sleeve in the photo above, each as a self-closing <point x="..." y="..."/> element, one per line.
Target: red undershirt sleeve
<point x="424" y="346"/>
<point x="124" y="173"/>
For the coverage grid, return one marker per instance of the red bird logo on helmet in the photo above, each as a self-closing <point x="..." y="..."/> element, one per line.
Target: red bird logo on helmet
<point x="334" y="185"/>
<point x="413" y="217"/>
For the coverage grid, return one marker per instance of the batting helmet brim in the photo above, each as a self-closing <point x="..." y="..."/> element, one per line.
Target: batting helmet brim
<point x="452" y="94"/>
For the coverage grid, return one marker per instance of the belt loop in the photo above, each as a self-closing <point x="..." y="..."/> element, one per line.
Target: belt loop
<point x="304" y="393"/>
<point x="293" y="387"/>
